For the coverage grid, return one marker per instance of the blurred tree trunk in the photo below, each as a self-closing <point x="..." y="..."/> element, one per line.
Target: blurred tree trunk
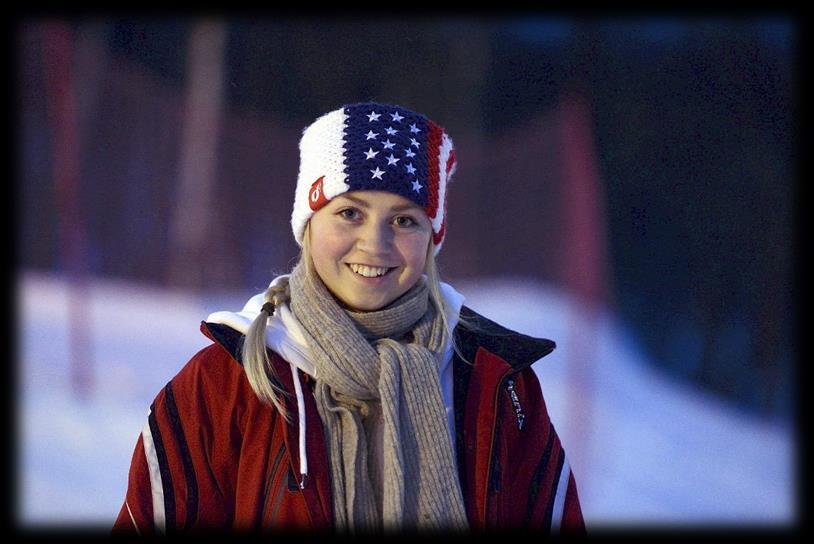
<point x="195" y="220"/>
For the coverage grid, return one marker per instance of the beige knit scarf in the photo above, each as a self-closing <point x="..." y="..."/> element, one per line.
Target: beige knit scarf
<point x="383" y="362"/>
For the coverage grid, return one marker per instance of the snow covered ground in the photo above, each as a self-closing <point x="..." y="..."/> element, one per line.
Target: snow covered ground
<point x="646" y="451"/>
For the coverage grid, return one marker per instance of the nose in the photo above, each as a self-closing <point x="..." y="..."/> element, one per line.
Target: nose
<point x="375" y="238"/>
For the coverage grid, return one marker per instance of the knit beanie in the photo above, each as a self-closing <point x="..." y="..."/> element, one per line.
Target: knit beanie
<point x="374" y="147"/>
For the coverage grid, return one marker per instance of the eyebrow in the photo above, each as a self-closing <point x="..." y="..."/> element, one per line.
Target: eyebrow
<point x="398" y="208"/>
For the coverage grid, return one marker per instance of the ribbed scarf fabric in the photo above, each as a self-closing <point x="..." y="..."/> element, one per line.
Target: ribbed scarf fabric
<point x="383" y="361"/>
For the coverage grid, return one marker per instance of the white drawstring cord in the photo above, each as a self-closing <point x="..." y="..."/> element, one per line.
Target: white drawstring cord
<point x="301" y="421"/>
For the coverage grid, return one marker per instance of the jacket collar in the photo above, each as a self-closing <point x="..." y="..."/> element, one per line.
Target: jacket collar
<point x="228" y="338"/>
<point x="519" y="350"/>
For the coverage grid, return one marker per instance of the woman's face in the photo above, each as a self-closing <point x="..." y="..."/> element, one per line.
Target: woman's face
<point x="369" y="247"/>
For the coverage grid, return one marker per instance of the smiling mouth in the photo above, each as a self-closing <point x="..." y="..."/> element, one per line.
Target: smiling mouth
<point x="369" y="271"/>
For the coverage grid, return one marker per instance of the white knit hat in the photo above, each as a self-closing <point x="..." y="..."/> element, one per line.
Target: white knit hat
<point x="374" y="147"/>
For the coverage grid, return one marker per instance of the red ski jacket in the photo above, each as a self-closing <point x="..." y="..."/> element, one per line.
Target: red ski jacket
<point x="213" y="457"/>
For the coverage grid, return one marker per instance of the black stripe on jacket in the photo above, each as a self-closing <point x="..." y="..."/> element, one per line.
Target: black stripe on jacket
<point x="538" y="475"/>
<point x="186" y="459"/>
<point x="166" y="477"/>
<point x="549" y="511"/>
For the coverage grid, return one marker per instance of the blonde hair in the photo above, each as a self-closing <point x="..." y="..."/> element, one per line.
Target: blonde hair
<point x="258" y="367"/>
<point x="260" y="372"/>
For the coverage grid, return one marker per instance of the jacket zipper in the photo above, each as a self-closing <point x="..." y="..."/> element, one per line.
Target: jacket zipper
<point x="274" y="467"/>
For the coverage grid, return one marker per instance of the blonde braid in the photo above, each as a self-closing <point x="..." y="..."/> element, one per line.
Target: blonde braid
<point x="260" y="372"/>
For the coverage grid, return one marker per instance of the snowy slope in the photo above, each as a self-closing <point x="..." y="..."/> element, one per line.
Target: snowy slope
<point x="649" y="451"/>
<point x="644" y="450"/>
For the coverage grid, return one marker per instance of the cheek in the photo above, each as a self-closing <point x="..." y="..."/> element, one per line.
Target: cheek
<point x="326" y="248"/>
<point x="415" y="254"/>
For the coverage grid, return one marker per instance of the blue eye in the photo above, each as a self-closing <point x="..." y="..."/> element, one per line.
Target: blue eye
<point x="349" y="213"/>
<point x="405" y="221"/>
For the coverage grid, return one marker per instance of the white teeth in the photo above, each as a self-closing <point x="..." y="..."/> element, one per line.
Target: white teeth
<point x="368" y="271"/>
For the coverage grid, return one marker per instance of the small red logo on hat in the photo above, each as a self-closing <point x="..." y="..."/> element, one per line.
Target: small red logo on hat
<point x="316" y="196"/>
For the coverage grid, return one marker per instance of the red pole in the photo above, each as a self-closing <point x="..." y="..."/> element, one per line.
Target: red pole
<point x="583" y="267"/>
<point x="61" y="105"/>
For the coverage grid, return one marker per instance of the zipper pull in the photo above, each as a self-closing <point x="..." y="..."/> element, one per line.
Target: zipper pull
<point x="518" y="409"/>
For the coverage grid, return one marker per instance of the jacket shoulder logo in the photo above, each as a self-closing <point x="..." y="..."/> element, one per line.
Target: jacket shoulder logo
<point x="518" y="409"/>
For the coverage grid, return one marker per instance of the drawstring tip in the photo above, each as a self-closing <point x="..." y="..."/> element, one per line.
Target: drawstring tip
<point x="303" y="480"/>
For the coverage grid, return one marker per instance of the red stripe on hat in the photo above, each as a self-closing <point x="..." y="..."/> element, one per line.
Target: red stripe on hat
<point x="437" y="237"/>
<point x="433" y="167"/>
<point x="450" y="162"/>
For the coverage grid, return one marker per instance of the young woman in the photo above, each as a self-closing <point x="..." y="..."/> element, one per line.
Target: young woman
<point x="356" y="393"/>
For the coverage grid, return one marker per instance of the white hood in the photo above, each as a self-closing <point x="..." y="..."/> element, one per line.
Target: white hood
<point x="283" y="332"/>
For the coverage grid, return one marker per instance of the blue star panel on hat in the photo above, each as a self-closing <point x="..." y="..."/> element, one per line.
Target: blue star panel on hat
<point x="386" y="150"/>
